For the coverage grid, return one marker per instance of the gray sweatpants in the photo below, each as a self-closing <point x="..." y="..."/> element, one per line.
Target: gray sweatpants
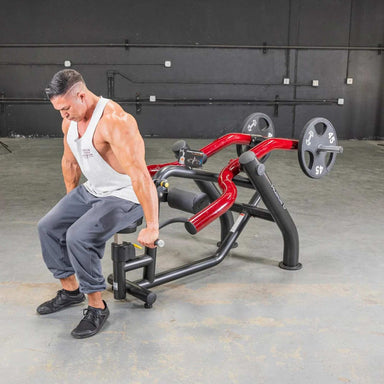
<point x="73" y="234"/>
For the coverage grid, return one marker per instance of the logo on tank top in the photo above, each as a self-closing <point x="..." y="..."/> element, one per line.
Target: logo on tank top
<point x="86" y="153"/>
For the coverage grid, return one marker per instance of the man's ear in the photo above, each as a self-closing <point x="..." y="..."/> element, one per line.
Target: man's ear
<point x="81" y="96"/>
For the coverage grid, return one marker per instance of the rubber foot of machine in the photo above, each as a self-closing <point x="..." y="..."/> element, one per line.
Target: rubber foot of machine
<point x="294" y="268"/>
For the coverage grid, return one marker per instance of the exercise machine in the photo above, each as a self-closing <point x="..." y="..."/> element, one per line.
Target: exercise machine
<point x="317" y="149"/>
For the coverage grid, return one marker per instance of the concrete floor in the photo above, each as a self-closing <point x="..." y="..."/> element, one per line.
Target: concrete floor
<point x="244" y="321"/>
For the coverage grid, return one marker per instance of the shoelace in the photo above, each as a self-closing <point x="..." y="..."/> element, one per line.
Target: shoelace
<point x="58" y="293"/>
<point x="90" y="315"/>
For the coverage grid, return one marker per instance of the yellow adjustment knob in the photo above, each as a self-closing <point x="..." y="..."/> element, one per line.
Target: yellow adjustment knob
<point x="137" y="246"/>
<point x="164" y="183"/>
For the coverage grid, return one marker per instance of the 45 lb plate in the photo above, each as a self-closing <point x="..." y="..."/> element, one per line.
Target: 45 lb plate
<point x="318" y="147"/>
<point x="261" y="126"/>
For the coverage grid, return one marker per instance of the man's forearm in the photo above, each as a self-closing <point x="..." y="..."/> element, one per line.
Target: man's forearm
<point x="71" y="175"/>
<point x="146" y="193"/>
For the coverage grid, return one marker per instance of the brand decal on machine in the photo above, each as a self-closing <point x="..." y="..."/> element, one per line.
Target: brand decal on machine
<point x="278" y="196"/>
<point x="237" y="222"/>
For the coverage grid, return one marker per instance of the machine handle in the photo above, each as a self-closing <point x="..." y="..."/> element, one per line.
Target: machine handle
<point x="160" y="243"/>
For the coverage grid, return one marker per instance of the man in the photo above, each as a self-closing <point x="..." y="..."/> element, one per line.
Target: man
<point x="103" y="142"/>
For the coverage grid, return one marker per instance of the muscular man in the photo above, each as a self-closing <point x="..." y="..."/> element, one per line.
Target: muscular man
<point x="103" y="142"/>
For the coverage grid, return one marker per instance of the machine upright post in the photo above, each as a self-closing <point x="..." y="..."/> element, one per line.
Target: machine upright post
<point x="259" y="179"/>
<point x="118" y="258"/>
<point x="150" y="269"/>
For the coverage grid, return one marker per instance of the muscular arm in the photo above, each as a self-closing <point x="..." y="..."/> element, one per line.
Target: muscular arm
<point x="69" y="165"/>
<point x="122" y="134"/>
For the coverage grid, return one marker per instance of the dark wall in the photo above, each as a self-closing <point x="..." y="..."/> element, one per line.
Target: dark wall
<point x="248" y="80"/>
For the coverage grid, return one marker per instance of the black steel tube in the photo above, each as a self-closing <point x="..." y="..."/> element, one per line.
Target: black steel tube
<point x="141" y="293"/>
<point x="208" y="262"/>
<point x="256" y="173"/>
<point x="195" y="174"/>
<point x="204" y="181"/>
<point x="111" y="84"/>
<point x="187" y="173"/>
<point x="200" y="265"/>
<point x="11" y="101"/>
<point x="185" y="102"/>
<point x="172" y="221"/>
<point x="149" y="269"/>
<point x="135" y="290"/>
<point x="194" y="46"/>
<point x="137" y="263"/>
<point x="118" y="258"/>
<point x="253" y="211"/>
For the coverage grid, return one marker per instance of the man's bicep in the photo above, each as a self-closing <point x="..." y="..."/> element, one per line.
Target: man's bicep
<point x="67" y="153"/>
<point x="128" y="147"/>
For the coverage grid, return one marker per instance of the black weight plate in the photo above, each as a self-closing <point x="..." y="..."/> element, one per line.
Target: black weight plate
<point x="315" y="163"/>
<point x="258" y="124"/>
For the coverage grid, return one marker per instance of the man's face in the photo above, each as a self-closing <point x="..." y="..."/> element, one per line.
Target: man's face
<point x="71" y="106"/>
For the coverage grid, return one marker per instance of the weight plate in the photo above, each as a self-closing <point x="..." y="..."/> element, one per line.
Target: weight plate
<point x="258" y="124"/>
<point x="315" y="162"/>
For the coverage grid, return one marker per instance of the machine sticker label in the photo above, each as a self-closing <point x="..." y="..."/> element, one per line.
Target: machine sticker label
<point x="278" y="196"/>
<point x="115" y="286"/>
<point x="237" y="223"/>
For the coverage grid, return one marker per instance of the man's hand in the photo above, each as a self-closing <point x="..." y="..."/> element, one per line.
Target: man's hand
<point x="148" y="236"/>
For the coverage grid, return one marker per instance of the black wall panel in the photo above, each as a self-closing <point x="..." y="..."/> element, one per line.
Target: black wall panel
<point x="364" y="101"/>
<point x="367" y="23"/>
<point x="328" y="67"/>
<point x="323" y="22"/>
<point x="203" y="123"/>
<point x="46" y="122"/>
<point x="252" y="75"/>
<point x="152" y="21"/>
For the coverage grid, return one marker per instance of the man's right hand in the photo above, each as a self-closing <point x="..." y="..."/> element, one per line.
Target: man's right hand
<point x="148" y="236"/>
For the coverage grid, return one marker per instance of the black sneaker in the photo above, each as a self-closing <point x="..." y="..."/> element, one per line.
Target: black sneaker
<point x="93" y="321"/>
<point x="61" y="301"/>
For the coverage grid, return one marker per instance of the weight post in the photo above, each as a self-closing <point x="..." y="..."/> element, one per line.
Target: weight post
<point x="330" y="148"/>
<point x="259" y="179"/>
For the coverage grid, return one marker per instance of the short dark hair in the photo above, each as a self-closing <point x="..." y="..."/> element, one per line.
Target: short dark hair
<point x="62" y="81"/>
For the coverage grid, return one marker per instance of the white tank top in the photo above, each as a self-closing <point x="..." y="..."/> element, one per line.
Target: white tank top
<point x="102" y="179"/>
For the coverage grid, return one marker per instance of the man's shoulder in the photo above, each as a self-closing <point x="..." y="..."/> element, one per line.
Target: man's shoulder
<point x="116" y="119"/>
<point x="114" y="115"/>
<point x="65" y="125"/>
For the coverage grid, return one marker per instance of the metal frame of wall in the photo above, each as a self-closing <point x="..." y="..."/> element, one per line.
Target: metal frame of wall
<point x="141" y="80"/>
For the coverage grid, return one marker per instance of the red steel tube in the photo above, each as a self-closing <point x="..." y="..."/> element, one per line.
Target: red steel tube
<point x="225" y="141"/>
<point x="218" y="207"/>
<point x="275" y="143"/>
<point x="153" y="168"/>
<point x="211" y="148"/>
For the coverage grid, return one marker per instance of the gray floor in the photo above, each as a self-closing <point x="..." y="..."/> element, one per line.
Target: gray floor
<point x="244" y="321"/>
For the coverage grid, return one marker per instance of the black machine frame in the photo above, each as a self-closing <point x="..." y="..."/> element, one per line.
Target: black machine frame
<point x="125" y="260"/>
